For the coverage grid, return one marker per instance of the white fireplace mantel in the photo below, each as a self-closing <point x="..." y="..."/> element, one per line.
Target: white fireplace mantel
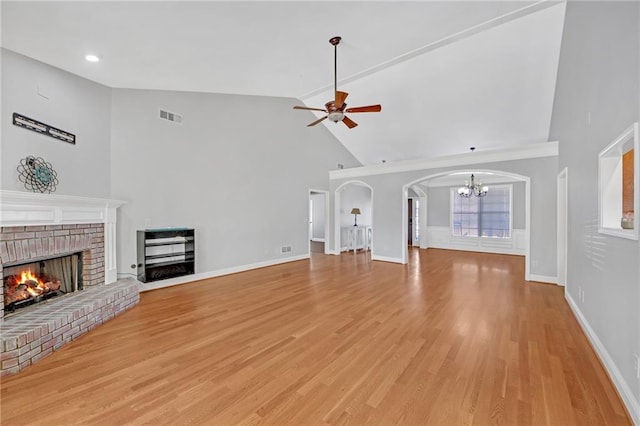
<point x="19" y="208"/>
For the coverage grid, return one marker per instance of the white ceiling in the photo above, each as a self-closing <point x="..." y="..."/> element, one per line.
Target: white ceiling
<point x="449" y="75"/>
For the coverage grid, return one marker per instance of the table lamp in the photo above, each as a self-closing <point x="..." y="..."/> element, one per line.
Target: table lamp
<point x="355" y="212"/>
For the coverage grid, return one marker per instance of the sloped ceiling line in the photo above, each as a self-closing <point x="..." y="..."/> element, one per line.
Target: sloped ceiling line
<point x="491" y="90"/>
<point x="468" y="32"/>
<point x="488" y="79"/>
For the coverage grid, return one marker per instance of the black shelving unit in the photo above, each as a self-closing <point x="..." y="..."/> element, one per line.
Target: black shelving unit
<point x="165" y="253"/>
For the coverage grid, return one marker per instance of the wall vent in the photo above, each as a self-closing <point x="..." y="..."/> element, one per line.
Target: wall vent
<point x="285" y="249"/>
<point x="170" y="116"/>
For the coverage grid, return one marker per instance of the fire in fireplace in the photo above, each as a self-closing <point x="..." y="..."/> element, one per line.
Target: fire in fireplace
<point x="37" y="281"/>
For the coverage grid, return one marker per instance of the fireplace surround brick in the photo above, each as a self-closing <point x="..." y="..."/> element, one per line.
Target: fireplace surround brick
<point x="31" y="335"/>
<point x="24" y="243"/>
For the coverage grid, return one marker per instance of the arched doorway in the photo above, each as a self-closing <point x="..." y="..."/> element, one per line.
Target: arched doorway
<point x="456" y="178"/>
<point x="417" y="216"/>
<point x="347" y="197"/>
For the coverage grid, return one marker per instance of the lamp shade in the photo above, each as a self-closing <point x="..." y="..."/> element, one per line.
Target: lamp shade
<point x="355" y="210"/>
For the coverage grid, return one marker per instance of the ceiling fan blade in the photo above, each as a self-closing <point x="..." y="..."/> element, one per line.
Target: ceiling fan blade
<point x="310" y="109"/>
<point x="349" y="122"/>
<point x="340" y="98"/>
<point x="368" y="108"/>
<point x="317" y="121"/>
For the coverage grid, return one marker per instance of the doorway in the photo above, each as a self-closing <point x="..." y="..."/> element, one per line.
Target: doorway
<point x="415" y="222"/>
<point x="562" y="226"/>
<point x="318" y="223"/>
<point x="353" y="231"/>
<point x="410" y="229"/>
<point x="438" y="228"/>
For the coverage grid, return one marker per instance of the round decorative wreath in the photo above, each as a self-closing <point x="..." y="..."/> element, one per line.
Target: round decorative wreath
<point x="37" y="175"/>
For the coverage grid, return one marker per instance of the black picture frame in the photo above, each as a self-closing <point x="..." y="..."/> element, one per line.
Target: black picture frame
<point x="42" y="128"/>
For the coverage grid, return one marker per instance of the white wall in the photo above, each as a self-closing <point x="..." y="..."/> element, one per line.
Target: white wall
<point x="597" y="95"/>
<point x="355" y="196"/>
<point x="440" y="237"/>
<point x="73" y="104"/>
<point x="238" y="170"/>
<point x="317" y="229"/>
<point x="388" y="205"/>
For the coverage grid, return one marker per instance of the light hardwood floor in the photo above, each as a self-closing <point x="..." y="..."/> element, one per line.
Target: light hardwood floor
<point x="453" y="338"/>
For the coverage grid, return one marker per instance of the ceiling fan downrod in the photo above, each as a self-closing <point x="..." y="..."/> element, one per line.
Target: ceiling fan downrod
<point x="335" y="109"/>
<point x="335" y="41"/>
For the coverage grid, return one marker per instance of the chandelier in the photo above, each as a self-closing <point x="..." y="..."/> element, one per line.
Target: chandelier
<point x="472" y="188"/>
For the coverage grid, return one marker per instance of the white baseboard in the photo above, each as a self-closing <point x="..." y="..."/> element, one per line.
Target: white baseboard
<point x="220" y="272"/>
<point x="543" y="278"/>
<point x="632" y="405"/>
<point x="318" y="240"/>
<point x="386" y="259"/>
<point x="332" y="252"/>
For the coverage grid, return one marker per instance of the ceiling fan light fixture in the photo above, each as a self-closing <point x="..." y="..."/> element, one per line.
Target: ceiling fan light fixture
<point x="336" y="108"/>
<point x="336" y="116"/>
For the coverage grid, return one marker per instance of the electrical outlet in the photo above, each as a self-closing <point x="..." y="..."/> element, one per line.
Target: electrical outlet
<point x="636" y="365"/>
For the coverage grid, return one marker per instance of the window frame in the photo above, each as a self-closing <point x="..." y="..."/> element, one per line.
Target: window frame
<point x="454" y="193"/>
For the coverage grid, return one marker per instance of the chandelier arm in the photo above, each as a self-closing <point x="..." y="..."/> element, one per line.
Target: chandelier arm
<point x="472" y="188"/>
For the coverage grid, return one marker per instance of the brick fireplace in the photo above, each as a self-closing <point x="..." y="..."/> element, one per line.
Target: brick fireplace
<point x="29" y="243"/>
<point x="34" y="227"/>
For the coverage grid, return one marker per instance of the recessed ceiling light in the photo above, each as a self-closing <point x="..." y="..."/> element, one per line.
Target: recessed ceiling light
<point x="92" y="58"/>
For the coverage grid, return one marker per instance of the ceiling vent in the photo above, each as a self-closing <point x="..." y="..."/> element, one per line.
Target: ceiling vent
<point x="170" y="116"/>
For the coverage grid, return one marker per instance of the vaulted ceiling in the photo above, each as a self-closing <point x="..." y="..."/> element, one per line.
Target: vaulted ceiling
<point x="449" y="74"/>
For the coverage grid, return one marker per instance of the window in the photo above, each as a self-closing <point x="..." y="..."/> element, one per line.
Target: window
<point x="487" y="217"/>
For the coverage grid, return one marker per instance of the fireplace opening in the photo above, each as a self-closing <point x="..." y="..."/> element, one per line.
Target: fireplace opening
<point x="34" y="282"/>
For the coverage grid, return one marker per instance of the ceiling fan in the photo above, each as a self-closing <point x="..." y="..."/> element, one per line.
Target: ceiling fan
<point x="336" y="108"/>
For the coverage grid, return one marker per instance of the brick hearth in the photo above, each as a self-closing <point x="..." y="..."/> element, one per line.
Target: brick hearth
<point x="30" y="336"/>
<point x="35" y="332"/>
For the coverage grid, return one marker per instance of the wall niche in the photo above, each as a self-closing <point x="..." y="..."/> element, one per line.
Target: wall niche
<point x="618" y="185"/>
